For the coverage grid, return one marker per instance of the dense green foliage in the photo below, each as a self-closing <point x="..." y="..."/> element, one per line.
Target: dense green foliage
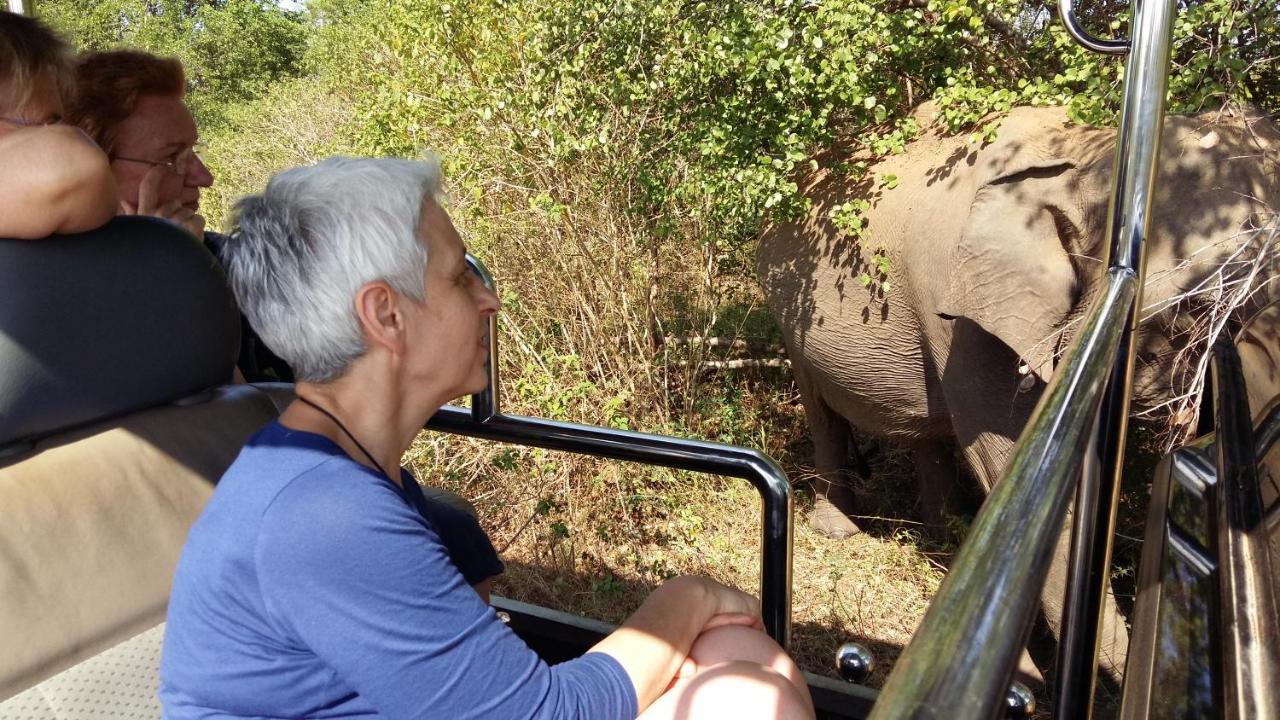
<point x="614" y="158"/>
<point x="702" y="112"/>
<point x="638" y="144"/>
<point x="698" y="113"/>
<point x="233" y="50"/>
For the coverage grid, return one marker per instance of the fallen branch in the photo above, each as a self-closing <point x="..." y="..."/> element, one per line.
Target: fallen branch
<point x="741" y="364"/>
<point x="1202" y="313"/>
<point x="734" y="344"/>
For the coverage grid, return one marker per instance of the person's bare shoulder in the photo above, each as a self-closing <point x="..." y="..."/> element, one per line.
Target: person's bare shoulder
<point x="53" y="180"/>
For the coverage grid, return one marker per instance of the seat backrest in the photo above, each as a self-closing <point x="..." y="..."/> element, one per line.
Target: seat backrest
<point x="104" y="322"/>
<point x="115" y="422"/>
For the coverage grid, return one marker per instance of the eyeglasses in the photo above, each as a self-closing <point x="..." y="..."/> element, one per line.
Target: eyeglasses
<point x="179" y="163"/>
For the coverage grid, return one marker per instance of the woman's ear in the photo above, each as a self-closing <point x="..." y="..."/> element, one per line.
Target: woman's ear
<point x="1011" y="269"/>
<point x="378" y="311"/>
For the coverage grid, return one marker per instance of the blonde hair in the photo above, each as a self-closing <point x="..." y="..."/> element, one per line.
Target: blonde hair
<point x="30" y="54"/>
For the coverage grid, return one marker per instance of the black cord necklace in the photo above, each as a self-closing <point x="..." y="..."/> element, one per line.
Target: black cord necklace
<point x="344" y="429"/>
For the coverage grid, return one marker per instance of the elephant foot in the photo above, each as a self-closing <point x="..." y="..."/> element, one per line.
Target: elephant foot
<point x="828" y="520"/>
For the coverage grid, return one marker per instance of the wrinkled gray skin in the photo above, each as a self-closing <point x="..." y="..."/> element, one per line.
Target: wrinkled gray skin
<point x="993" y="250"/>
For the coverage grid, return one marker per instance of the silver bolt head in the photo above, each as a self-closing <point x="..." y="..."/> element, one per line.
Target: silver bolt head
<point x="1020" y="702"/>
<point x="855" y="663"/>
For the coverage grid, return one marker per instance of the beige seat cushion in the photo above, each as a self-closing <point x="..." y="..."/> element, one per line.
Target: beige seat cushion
<point x="94" y="521"/>
<point x="119" y="683"/>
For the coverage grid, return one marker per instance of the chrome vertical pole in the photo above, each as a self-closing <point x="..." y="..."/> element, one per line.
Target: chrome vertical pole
<point x="23" y="7"/>
<point x="1128" y="224"/>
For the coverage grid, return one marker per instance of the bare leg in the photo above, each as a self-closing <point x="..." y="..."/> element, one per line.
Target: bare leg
<point x="741" y="673"/>
<point x="735" y="642"/>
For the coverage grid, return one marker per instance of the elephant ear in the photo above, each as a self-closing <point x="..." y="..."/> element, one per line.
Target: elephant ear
<point x="1011" y="270"/>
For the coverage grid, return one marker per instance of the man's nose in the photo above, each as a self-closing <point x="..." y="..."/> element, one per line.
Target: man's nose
<point x="198" y="174"/>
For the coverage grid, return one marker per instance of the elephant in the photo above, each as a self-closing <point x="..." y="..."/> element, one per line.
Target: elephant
<point x="938" y="321"/>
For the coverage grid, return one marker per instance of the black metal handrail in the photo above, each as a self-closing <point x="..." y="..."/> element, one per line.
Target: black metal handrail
<point x="485" y="420"/>
<point x="964" y="653"/>
<point x="1128" y="224"/>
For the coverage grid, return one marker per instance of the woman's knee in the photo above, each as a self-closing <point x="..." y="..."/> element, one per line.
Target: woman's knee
<point x="739" y="689"/>
<point x="735" y="642"/>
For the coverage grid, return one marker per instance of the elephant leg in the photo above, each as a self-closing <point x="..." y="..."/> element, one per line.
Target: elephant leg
<point x="936" y="477"/>
<point x="833" y="498"/>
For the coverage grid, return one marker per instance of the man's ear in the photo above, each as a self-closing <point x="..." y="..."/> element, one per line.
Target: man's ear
<point x="378" y="312"/>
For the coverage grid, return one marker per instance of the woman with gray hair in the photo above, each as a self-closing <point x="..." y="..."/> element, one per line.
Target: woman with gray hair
<point x="319" y="582"/>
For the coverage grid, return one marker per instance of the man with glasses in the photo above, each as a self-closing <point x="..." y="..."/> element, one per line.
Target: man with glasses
<point x="130" y="103"/>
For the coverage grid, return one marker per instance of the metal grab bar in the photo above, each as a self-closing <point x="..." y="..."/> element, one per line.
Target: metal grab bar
<point x="485" y="420"/>
<point x="1128" y="223"/>
<point x="960" y="661"/>
<point x="1107" y="47"/>
<point x="707" y="457"/>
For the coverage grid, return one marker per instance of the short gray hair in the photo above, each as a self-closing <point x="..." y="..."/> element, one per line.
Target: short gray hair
<point x="300" y="250"/>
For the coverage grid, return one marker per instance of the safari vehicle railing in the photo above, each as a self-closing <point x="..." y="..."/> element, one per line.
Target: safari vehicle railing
<point x="964" y="653"/>
<point x="484" y="420"/>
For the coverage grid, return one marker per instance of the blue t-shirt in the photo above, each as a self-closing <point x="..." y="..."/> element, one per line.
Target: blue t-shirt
<point x="311" y="587"/>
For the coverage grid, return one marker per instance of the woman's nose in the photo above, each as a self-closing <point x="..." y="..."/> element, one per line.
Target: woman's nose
<point x="487" y="300"/>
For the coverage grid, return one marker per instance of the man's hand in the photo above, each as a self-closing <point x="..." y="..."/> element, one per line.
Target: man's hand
<point x="173" y="211"/>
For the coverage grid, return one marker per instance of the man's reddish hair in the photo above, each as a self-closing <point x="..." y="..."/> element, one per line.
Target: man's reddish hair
<point x="109" y="84"/>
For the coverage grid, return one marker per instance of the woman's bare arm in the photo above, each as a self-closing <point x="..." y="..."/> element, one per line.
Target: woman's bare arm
<point x="53" y="180"/>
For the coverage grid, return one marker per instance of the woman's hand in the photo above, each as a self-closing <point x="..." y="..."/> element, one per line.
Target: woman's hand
<point x="731" y="607"/>
<point x="726" y="605"/>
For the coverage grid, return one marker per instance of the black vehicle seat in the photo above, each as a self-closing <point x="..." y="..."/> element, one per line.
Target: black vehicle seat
<point x="116" y="419"/>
